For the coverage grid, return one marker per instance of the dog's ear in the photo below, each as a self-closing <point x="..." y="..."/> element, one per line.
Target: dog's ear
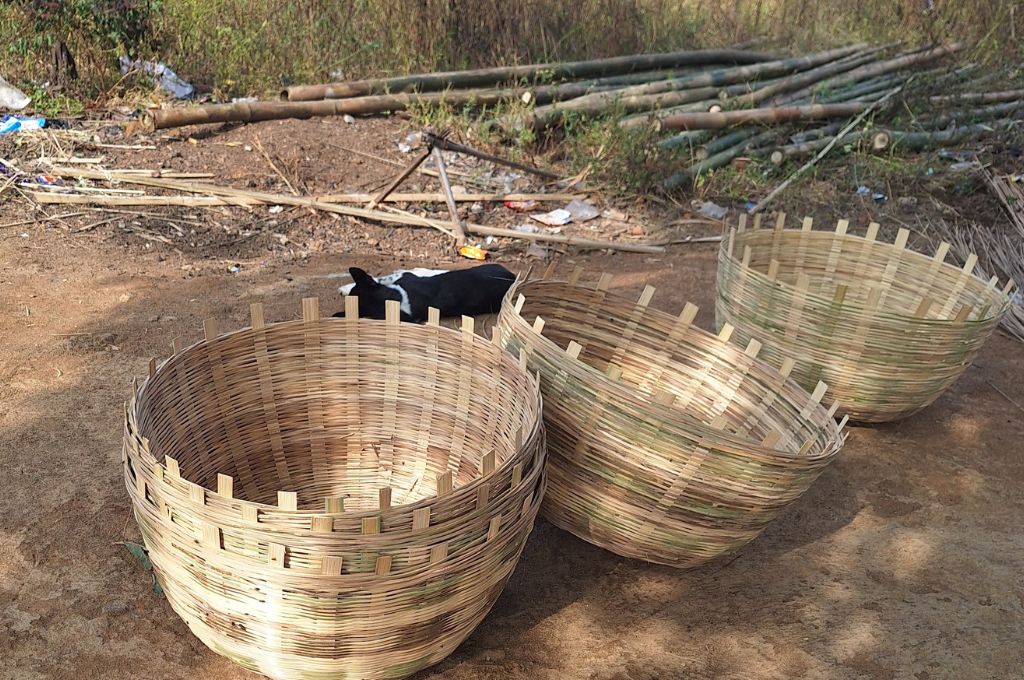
<point x="362" y="278"/>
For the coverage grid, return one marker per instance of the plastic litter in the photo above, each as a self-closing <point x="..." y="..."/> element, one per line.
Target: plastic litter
<point x="348" y="119"/>
<point x="710" y="210"/>
<point x="555" y="218"/>
<point x="11" y="97"/>
<point x="521" y="206"/>
<point x="10" y="124"/>
<point x="582" y="211"/>
<point x="964" y="166"/>
<point x="167" y="79"/>
<point x="235" y="268"/>
<point x="526" y="228"/>
<point x="274" y="209"/>
<point x="864" y="191"/>
<point x="473" y="252"/>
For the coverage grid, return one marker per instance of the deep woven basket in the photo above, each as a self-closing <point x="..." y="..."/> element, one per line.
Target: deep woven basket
<point x="335" y="498"/>
<point x="887" y="328"/>
<point x="665" y="443"/>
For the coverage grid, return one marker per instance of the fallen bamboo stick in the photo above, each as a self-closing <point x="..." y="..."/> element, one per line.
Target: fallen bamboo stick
<point x="211" y="201"/>
<point x="978" y="97"/>
<point x="399" y="178"/>
<point x="723" y="119"/>
<point x="372" y="215"/>
<point x="487" y="77"/>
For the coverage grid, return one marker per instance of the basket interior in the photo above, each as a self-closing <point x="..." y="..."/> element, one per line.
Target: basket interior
<point x="337" y="408"/>
<point x="712" y="381"/>
<point x="866" y="268"/>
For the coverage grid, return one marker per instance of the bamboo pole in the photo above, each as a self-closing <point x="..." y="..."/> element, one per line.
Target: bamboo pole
<point x="487" y="77"/>
<point x="800" y="80"/>
<point x="719" y="159"/>
<point x="978" y="97"/>
<point x="919" y="141"/>
<point x="49" y="197"/>
<point x="981" y="113"/>
<point x="660" y="93"/>
<point x="706" y="121"/>
<point x="879" y="69"/>
<point x="821" y="154"/>
<point x="372" y="215"/>
<point x="249" y="112"/>
<point x="796" y="150"/>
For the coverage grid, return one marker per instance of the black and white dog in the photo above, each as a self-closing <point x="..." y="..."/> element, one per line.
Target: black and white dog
<point x="477" y="290"/>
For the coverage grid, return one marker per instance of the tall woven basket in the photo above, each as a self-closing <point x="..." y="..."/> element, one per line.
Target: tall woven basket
<point x="887" y="328"/>
<point x="335" y="498"/>
<point x="666" y="443"/>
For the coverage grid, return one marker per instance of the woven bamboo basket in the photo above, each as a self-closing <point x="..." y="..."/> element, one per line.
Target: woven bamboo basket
<point x="335" y="498"/>
<point x="887" y="328"/>
<point x="665" y="442"/>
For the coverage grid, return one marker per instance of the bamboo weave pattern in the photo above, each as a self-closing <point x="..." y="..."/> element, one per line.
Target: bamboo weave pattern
<point x="889" y="329"/>
<point x="335" y="498"/>
<point x="665" y="443"/>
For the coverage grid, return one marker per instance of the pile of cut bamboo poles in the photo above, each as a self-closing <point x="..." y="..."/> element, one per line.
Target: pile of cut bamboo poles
<point x="714" y="105"/>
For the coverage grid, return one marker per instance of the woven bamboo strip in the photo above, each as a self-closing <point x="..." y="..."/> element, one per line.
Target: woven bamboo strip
<point x="317" y="556"/>
<point x="633" y="470"/>
<point x="884" y="326"/>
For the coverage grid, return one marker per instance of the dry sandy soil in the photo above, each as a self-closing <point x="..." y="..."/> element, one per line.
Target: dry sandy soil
<point x="904" y="560"/>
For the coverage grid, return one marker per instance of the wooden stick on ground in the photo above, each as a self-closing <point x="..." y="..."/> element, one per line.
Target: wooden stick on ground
<point x="242" y="195"/>
<point x="447" y="145"/>
<point x="460" y="231"/>
<point x="824" y="152"/>
<point x="409" y="169"/>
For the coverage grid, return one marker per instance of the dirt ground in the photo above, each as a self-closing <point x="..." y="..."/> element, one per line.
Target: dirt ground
<point x="902" y="561"/>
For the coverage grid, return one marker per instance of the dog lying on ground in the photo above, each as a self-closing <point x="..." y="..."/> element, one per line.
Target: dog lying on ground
<point x="473" y="291"/>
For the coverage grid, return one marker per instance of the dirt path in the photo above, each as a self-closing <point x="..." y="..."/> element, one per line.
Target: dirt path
<point x="903" y="561"/>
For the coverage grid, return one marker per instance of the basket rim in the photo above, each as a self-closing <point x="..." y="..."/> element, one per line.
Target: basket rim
<point x="734" y="234"/>
<point x="669" y="413"/>
<point x="432" y="326"/>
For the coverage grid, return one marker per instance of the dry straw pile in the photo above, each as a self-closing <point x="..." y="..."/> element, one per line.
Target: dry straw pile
<point x="666" y="443"/>
<point x="887" y="328"/>
<point x="335" y="498"/>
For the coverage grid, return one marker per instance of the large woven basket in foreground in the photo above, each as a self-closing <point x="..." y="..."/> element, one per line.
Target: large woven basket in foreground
<point x="333" y="498"/>
<point x="887" y="328"/>
<point x="665" y="443"/>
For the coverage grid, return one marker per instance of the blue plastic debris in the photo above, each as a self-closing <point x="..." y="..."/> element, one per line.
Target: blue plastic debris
<point x="10" y="124"/>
